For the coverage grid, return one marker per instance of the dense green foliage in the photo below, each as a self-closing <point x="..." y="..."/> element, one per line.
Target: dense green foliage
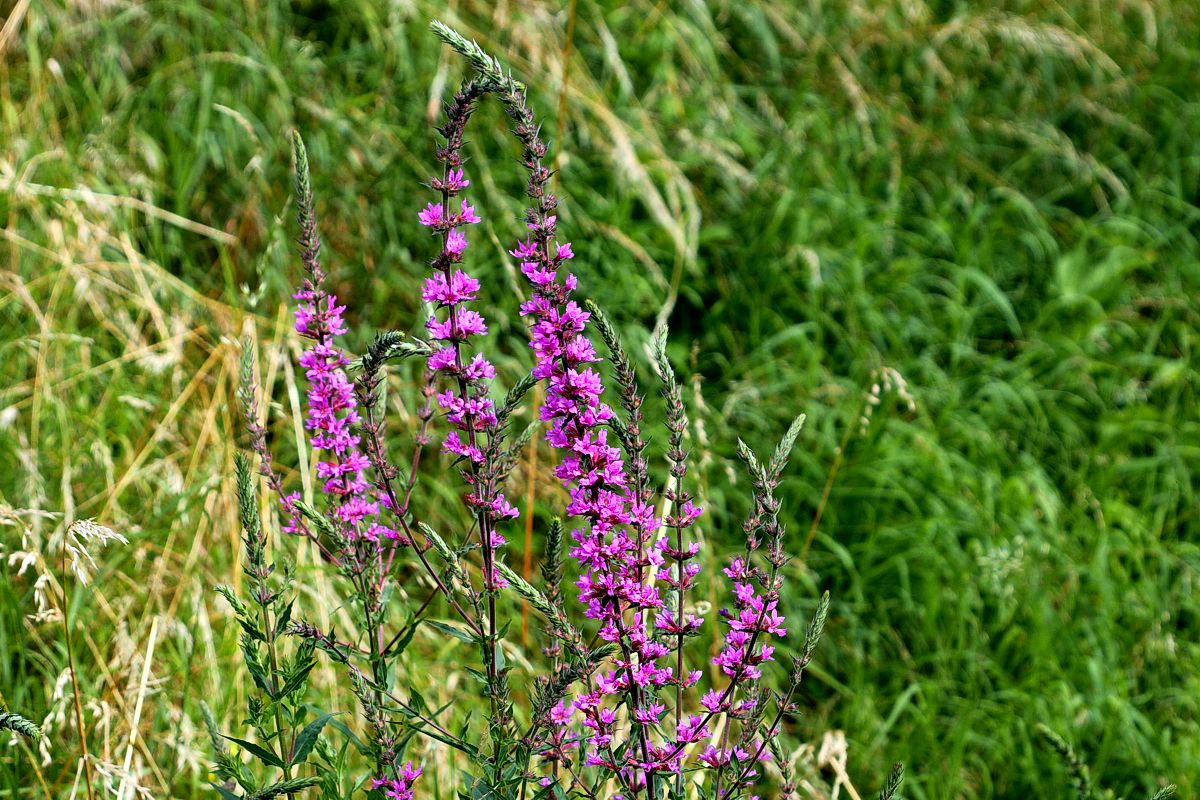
<point x="993" y="206"/>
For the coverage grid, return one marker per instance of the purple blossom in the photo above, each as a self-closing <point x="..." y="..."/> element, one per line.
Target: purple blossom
<point x="456" y="243"/>
<point x="458" y="327"/>
<point x="438" y="217"/>
<point x="453" y="183"/>
<point x="431" y="215"/>
<point x="454" y="444"/>
<point x="467" y="215"/>
<point x="332" y="416"/>
<point x="458" y="288"/>
<point x="399" y="787"/>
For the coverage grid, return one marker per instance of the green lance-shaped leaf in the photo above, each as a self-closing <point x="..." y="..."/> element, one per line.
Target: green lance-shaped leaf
<point x="307" y="738"/>
<point x="452" y="630"/>
<point x="258" y="751"/>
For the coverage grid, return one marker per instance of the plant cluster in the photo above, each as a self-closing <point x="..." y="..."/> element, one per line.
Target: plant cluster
<point x="621" y="709"/>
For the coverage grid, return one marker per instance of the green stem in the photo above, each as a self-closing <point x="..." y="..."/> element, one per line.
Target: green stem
<point x="284" y="752"/>
<point x="83" y="752"/>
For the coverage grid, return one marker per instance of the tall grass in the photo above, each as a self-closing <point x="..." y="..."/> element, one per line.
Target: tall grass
<point x="994" y="203"/>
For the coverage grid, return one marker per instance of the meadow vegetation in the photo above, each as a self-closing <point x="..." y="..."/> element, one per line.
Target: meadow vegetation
<point x="961" y="238"/>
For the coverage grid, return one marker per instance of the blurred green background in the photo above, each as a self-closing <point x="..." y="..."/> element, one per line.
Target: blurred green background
<point x="961" y="237"/>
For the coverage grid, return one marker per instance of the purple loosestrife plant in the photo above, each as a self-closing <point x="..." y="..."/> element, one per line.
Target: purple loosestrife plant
<point x="620" y="707"/>
<point x="620" y="553"/>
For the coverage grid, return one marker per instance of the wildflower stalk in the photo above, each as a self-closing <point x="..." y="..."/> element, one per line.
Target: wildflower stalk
<point x="259" y="572"/>
<point x="785" y="705"/>
<point x="354" y="514"/>
<point x="78" y="702"/>
<point x="739" y="658"/>
<point x="683" y="515"/>
<point x="620" y="598"/>
<point x="467" y="406"/>
<point x="547" y="257"/>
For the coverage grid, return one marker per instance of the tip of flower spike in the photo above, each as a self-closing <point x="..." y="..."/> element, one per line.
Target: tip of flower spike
<point x="298" y="149"/>
<point x="443" y="31"/>
<point x="300" y="164"/>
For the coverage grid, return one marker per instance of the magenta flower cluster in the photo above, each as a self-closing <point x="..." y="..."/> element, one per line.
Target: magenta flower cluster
<point x="617" y="547"/>
<point x="332" y="417"/>
<point x="622" y="558"/>
<point x="401" y="786"/>
<point x="465" y="403"/>
<point x="755" y="617"/>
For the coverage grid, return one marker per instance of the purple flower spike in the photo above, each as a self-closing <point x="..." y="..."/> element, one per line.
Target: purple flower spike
<point x="332" y="414"/>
